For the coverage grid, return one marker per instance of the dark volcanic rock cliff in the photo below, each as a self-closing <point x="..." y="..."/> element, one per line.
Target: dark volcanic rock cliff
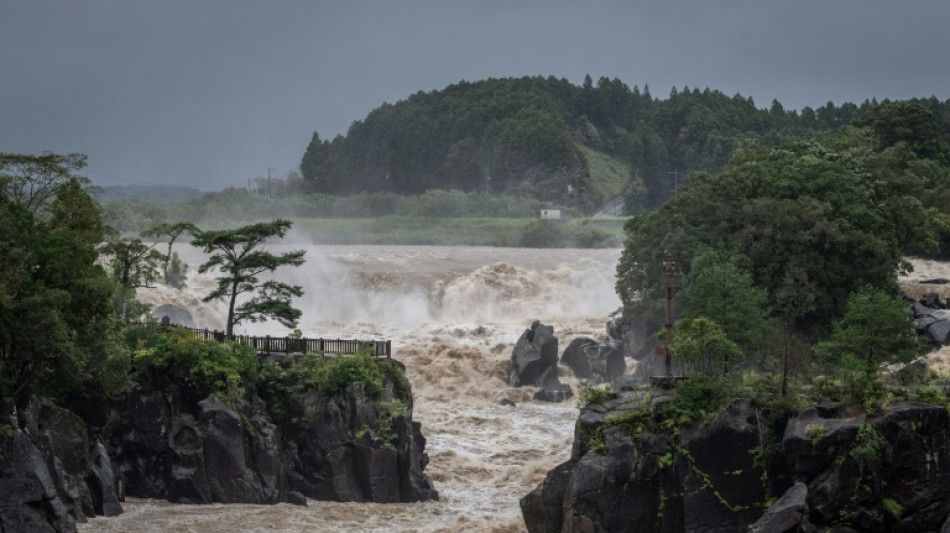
<point x="833" y="468"/>
<point x="57" y="470"/>
<point x="345" y="447"/>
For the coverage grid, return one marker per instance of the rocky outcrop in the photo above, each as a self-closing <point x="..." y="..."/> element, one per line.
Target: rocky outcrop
<point x="597" y="362"/>
<point x="345" y="447"/>
<point x="340" y="457"/>
<point x="54" y="472"/>
<point x="552" y="390"/>
<point x="931" y="319"/>
<point x="534" y="353"/>
<point x="534" y="363"/>
<point x="830" y="467"/>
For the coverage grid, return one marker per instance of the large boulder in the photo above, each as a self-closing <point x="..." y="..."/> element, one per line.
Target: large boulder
<point x="534" y="353"/>
<point x="552" y="390"/>
<point x="575" y="356"/>
<point x="786" y="514"/>
<point x="597" y="362"/>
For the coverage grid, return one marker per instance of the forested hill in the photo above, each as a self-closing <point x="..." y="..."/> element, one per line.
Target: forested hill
<point x="572" y="145"/>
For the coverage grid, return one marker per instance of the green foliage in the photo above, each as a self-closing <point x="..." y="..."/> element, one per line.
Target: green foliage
<point x="386" y="414"/>
<point x="698" y="399"/>
<point x="238" y="254"/>
<point x="815" y="432"/>
<point x="176" y="360"/>
<point x="869" y="446"/>
<point x="539" y="135"/>
<point x="332" y="375"/>
<point x="892" y="508"/>
<point x="718" y="289"/>
<point x="543" y="234"/>
<point x="55" y="311"/>
<point x="133" y="264"/>
<point x="795" y="217"/>
<point x="874" y="330"/>
<point x="172" y="268"/>
<point x="701" y="346"/>
<point x="588" y="394"/>
<point x="176" y="274"/>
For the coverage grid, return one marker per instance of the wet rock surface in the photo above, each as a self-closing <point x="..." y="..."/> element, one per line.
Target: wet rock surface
<point x="831" y="467"/>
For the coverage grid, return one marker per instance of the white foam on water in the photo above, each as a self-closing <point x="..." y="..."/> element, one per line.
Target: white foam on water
<point x="454" y="315"/>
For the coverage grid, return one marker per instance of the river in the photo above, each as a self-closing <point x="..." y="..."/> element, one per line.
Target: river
<point x="454" y="315"/>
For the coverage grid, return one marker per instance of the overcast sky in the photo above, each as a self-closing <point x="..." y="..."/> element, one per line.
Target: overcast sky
<point x="212" y="93"/>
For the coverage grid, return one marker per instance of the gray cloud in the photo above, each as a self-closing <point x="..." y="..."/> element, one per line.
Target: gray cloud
<point x="212" y="93"/>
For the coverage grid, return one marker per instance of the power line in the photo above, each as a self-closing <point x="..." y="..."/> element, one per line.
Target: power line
<point x="137" y="182"/>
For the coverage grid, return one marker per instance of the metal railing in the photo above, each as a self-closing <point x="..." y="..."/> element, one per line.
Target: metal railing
<point x="300" y="345"/>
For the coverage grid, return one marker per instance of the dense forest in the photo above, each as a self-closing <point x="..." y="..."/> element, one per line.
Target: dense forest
<point x="576" y="146"/>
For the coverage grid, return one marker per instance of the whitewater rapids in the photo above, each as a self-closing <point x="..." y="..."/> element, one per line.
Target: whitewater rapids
<point x="453" y="315"/>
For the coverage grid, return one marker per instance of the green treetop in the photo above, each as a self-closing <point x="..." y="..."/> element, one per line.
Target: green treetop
<point x="238" y="254"/>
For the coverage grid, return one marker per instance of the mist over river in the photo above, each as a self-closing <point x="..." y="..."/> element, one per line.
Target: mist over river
<point x="453" y="315"/>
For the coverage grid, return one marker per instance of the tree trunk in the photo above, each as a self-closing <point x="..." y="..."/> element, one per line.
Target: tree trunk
<point x="230" y="328"/>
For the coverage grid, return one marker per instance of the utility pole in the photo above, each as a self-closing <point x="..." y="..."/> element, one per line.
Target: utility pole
<point x="670" y="273"/>
<point x="268" y="185"/>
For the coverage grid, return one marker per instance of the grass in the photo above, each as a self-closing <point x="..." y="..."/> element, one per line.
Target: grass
<point x="407" y="230"/>
<point x="608" y="176"/>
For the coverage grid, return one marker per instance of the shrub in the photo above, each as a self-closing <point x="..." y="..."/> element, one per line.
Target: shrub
<point x="698" y="399"/>
<point x="588" y="394"/>
<point x="175" y="359"/>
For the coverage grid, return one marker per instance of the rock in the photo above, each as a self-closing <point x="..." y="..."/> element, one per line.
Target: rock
<point x="786" y="514"/>
<point x="599" y="363"/>
<point x="102" y="482"/>
<point x="542" y="507"/>
<point x="716" y="468"/>
<point x="29" y="499"/>
<point x="235" y="473"/>
<point x="575" y="357"/>
<point x="535" y="352"/>
<point x="294" y="498"/>
<point x="915" y="372"/>
<point x="932" y="300"/>
<point x="812" y="442"/>
<point x="554" y="393"/>
<point x="829" y="478"/>
<point x="606" y="361"/>
<point x="505" y="402"/>
<point x="939" y="332"/>
<point x="918" y="309"/>
<point x="935" y="281"/>
<point x="552" y="390"/>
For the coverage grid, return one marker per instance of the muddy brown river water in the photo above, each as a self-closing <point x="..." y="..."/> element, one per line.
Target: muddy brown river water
<point x="453" y="314"/>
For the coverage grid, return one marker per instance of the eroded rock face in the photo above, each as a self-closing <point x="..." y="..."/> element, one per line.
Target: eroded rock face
<point x="235" y="454"/>
<point x="53" y="472"/>
<point x="832" y="467"/>
<point x="534" y="353"/>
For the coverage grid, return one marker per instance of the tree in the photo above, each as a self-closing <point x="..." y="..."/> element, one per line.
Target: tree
<point x="875" y="329"/>
<point x="55" y="312"/>
<point x="718" y="289"/>
<point x="239" y="256"/>
<point x="32" y="181"/>
<point x="134" y="264"/>
<point x="701" y="345"/>
<point x="172" y="231"/>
